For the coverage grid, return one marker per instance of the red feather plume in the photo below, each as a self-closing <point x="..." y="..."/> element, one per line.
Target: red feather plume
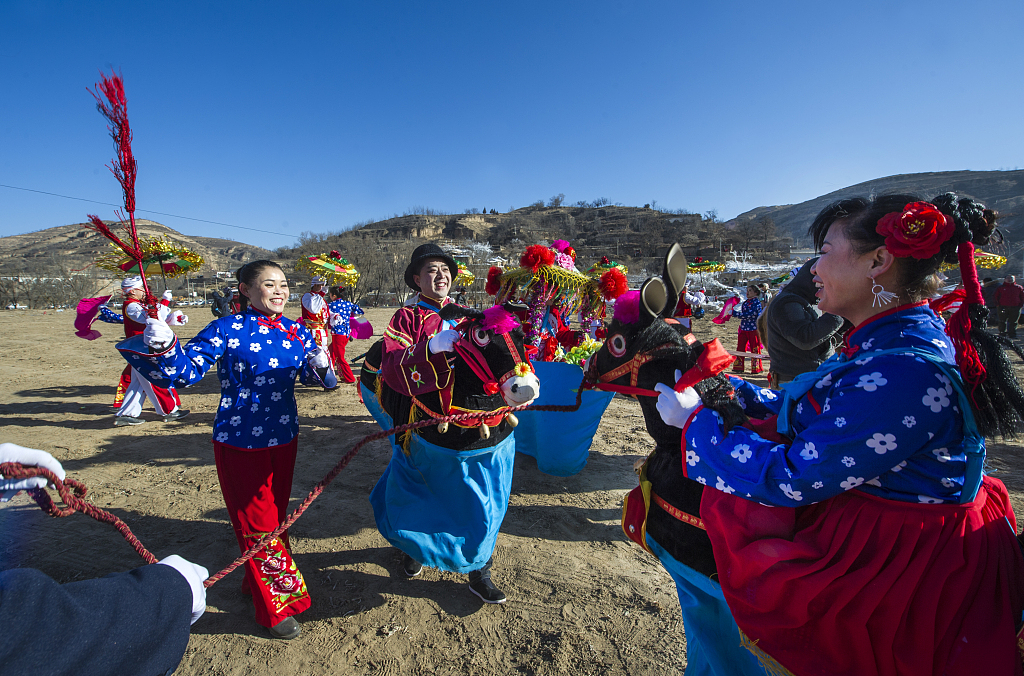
<point x="493" y="280"/>
<point x="535" y="256"/>
<point x="613" y="284"/>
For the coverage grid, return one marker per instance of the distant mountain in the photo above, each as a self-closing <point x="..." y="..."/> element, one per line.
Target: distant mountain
<point x="999" y="190"/>
<point x="78" y="246"/>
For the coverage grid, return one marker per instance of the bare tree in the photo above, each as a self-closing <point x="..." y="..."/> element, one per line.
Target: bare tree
<point x="766" y="228"/>
<point x="745" y="231"/>
<point x="557" y="200"/>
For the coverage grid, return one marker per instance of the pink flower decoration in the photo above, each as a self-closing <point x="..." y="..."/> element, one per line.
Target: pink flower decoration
<point x="564" y="261"/>
<point x="627" y="307"/>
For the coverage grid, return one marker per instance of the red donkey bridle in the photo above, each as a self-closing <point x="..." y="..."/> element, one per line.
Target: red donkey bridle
<point x="712" y="361"/>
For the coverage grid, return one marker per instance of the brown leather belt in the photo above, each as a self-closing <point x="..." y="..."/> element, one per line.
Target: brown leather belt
<point x="678" y="513"/>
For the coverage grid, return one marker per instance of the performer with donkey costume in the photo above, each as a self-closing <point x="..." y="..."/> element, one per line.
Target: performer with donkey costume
<point x="444" y="494"/>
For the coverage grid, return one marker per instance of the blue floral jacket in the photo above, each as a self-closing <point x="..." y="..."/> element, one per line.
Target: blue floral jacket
<point x="889" y="425"/>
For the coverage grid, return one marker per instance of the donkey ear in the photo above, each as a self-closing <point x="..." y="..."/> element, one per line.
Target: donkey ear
<point x="452" y="311"/>
<point x="653" y="298"/>
<point x="515" y="306"/>
<point x="674" y="275"/>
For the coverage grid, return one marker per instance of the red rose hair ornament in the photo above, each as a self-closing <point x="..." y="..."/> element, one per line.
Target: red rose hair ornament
<point x="613" y="284"/>
<point x="571" y="253"/>
<point x="919" y="230"/>
<point x="536" y="256"/>
<point x="604" y="260"/>
<point x="493" y="281"/>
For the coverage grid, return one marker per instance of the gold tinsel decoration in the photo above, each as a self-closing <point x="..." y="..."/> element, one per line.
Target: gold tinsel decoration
<point x="160" y="257"/>
<point x="464" y="277"/>
<point x="570" y="288"/>
<point x="331" y="266"/>
<point x="981" y="260"/>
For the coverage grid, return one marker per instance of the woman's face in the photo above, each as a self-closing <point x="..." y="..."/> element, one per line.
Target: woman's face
<point x="269" y="292"/>
<point x="841" y="276"/>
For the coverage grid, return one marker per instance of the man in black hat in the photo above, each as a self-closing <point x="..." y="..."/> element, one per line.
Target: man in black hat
<point x="414" y="361"/>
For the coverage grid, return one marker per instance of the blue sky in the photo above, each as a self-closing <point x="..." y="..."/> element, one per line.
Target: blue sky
<point x="298" y="116"/>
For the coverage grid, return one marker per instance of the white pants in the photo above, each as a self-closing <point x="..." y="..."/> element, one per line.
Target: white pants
<point x="164" y="400"/>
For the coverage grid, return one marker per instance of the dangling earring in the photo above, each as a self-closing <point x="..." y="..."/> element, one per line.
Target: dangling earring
<point x="882" y="297"/>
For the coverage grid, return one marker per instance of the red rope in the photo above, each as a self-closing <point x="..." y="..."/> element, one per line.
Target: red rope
<point x="75" y="503"/>
<point x="72" y="500"/>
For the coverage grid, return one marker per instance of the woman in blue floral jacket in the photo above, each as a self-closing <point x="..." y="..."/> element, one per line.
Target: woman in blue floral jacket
<point x="258" y="354"/>
<point x="854" y="529"/>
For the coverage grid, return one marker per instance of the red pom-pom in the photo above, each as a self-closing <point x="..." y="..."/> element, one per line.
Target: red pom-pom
<point x="335" y="254"/>
<point x="493" y="280"/>
<point x="491" y="388"/>
<point x="613" y="284"/>
<point x="535" y="256"/>
<point x="604" y="260"/>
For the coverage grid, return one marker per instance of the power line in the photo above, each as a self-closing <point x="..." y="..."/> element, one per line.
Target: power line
<point x="148" y="211"/>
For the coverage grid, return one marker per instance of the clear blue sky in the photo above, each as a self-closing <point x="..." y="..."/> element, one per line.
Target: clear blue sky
<point x="292" y="116"/>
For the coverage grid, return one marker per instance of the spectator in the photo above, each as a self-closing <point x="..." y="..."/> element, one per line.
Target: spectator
<point x="1009" y="299"/>
<point x="799" y="337"/>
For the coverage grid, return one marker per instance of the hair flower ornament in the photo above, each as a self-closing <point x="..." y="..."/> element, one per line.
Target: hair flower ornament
<point x="919" y="230"/>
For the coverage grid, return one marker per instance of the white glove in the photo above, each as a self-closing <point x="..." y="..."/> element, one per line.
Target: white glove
<point x="177" y="318"/>
<point x="319" y="359"/>
<point x="195" y="575"/>
<point x="168" y="295"/>
<point x="674" y="407"/>
<point x="157" y="334"/>
<point x="444" y="341"/>
<point x="26" y="456"/>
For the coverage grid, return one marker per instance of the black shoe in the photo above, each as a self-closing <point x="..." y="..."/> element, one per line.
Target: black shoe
<point x="176" y="414"/>
<point x="486" y="590"/>
<point x="125" y="420"/>
<point x="411" y="567"/>
<point x="286" y="629"/>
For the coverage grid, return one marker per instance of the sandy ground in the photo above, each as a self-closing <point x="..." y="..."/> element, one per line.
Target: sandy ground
<point x="582" y="599"/>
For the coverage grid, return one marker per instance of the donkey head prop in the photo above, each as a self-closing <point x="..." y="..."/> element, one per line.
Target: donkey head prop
<point x="492" y="351"/>
<point x="644" y="348"/>
<point x="491" y="370"/>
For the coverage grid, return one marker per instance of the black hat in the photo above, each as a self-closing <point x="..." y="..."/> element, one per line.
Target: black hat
<point x="423" y="253"/>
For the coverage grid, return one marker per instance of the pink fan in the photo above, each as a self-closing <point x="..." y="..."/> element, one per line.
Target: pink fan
<point x="361" y="329"/>
<point x="726" y="313"/>
<point x="86" y="313"/>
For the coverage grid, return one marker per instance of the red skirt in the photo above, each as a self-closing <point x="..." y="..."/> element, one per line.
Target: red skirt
<point x="862" y="585"/>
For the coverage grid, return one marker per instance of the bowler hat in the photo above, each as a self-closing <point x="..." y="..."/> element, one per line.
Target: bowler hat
<point x="422" y="254"/>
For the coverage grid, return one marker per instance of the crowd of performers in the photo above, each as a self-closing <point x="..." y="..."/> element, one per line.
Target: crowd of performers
<point x="853" y="526"/>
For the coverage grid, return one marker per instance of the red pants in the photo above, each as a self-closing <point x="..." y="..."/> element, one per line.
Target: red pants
<point x="748" y="342"/>
<point x="256" y="485"/>
<point x="341" y="367"/>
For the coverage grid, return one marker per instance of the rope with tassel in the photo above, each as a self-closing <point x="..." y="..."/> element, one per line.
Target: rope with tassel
<point x="73" y="492"/>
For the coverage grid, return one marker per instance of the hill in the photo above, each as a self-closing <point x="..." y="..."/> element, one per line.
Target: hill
<point x="78" y="246"/>
<point x="999" y="190"/>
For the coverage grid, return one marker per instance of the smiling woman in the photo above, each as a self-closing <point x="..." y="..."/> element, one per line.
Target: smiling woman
<point x="878" y="456"/>
<point x="258" y="354"/>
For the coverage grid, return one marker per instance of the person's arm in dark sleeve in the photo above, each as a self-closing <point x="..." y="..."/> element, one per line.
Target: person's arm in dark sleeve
<point x="792" y="322"/>
<point x="126" y="623"/>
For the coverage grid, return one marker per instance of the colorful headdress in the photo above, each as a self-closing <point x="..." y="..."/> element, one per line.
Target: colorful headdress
<point x="329" y="267"/>
<point x="464" y="277"/>
<point x="699" y="264"/>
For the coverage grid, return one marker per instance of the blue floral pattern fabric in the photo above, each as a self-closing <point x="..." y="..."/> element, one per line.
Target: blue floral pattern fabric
<point x="257" y="363"/>
<point x="888" y="425"/>
<point x="748" y="314"/>
<point x="109" y="316"/>
<point x="344" y="311"/>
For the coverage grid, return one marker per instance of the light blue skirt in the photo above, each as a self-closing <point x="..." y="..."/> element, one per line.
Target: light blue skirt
<point x="560" y="442"/>
<point x="442" y="507"/>
<point x="712" y="638"/>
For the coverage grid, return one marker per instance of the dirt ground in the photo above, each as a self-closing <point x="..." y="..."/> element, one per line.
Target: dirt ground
<point x="582" y="599"/>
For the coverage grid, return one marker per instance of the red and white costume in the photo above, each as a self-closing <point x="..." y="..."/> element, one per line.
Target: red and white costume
<point x="133" y="389"/>
<point x="316" y="317"/>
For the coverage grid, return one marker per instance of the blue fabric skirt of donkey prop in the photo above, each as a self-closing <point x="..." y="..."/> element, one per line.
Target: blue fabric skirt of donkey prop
<point x="560" y="442"/>
<point x="444" y="508"/>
